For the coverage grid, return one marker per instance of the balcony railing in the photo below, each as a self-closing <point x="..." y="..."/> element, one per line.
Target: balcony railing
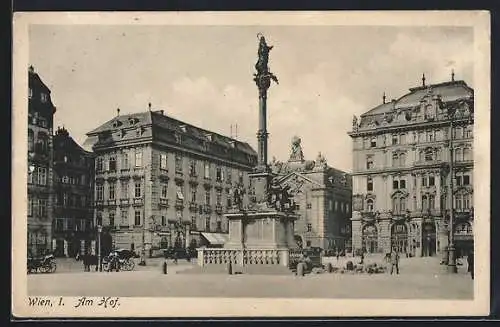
<point x="111" y="202"/>
<point x="138" y="201"/>
<point x="124" y="201"/>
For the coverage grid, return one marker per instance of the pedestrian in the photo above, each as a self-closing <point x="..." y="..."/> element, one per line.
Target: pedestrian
<point x="394" y="261"/>
<point x="338" y="255"/>
<point x="175" y="256"/>
<point x="470" y="263"/>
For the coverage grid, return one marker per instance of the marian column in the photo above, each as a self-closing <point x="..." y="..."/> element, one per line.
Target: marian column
<point x="263" y="79"/>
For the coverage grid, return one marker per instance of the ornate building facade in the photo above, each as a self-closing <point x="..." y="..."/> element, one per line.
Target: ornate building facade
<point x="402" y="154"/>
<point x="164" y="183"/>
<point x="73" y="227"/>
<point x="322" y="195"/>
<point x="40" y="165"/>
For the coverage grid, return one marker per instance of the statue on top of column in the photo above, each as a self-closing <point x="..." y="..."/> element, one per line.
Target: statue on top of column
<point x="263" y="76"/>
<point x="296" y="154"/>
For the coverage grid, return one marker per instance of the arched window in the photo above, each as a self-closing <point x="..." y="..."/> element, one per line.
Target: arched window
<point x="429" y="155"/>
<point x="369" y="205"/>
<point x="395" y="159"/>
<point x="395" y="205"/>
<point x="432" y="201"/>
<point x="31" y="140"/>
<point x="402" y="159"/>
<point x="369" y="184"/>
<point x="458" y="201"/>
<point x="466" y="201"/>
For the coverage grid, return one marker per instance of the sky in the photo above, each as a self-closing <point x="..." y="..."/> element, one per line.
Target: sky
<point x="203" y="75"/>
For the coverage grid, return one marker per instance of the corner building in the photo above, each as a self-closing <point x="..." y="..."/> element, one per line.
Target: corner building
<point x="40" y="211"/>
<point x="401" y="173"/>
<point x="164" y="183"/>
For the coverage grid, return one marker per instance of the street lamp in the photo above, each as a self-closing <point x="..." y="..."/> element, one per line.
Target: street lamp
<point x="99" y="231"/>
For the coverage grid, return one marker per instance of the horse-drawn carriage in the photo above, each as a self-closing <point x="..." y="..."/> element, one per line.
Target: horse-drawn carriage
<point x="124" y="260"/>
<point x="44" y="264"/>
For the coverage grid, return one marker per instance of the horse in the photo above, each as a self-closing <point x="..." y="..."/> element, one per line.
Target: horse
<point x="90" y="260"/>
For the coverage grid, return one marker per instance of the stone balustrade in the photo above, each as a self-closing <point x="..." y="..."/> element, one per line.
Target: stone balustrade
<point x="243" y="257"/>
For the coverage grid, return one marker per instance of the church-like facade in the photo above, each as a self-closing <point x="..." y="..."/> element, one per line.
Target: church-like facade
<point x="322" y="195"/>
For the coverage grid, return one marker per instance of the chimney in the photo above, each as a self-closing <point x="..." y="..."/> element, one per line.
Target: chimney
<point x="423" y="80"/>
<point x="383" y="98"/>
<point x="149" y="106"/>
<point x="31" y="69"/>
<point x="453" y="75"/>
<point x="118" y="111"/>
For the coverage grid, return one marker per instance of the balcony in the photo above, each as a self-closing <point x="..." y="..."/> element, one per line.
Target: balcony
<point x="193" y="206"/>
<point x="111" y="202"/>
<point x="124" y="202"/>
<point x="179" y="204"/>
<point x="138" y="201"/>
<point x="424" y="163"/>
<point x="164" y="202"/>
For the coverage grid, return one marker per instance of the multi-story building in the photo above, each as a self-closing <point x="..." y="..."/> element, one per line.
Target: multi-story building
<point x="40" y="165"/>
<point x="164" y="183"/>
<point x="73" y="227"/>
<point x="401" y="173"/>
<point x="323" y="198"/>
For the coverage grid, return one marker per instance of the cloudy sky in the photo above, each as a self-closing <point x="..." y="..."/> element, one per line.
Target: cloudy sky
<point x="203" y="75"/>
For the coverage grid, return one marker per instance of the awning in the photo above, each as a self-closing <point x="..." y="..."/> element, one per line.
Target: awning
<point x="215" y="238"/>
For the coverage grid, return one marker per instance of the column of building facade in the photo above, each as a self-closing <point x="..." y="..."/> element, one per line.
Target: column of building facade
<point x="357" y="231"/>
<point x="51" y="194"/>
<point x="384" y="232"/>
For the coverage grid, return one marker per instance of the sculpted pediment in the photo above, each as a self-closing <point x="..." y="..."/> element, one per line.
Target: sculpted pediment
<point x="296" y="182"/>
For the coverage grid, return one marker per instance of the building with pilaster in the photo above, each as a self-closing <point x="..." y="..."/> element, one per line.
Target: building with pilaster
<point x="73" y="228"/>
<point x="40" y="165"/>
<point x="322" y="195"/>
<point x="406" y="153"/>
<point x="161" y="182"/>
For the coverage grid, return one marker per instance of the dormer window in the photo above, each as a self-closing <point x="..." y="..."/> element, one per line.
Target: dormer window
<point x="117" y="124"/>
<point x="183" y="128"/>
<point x="30" y="93"/>
<point x="373" y="142"/>
<point x="44" y="97"/>
<point x="210" y="137"/>
<point x="429" y="113"/>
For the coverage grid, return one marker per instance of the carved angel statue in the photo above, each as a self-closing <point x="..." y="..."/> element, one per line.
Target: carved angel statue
<point x="320" y="162"/>
<point x="238" y="192"/>
<point x="354" y="122"/>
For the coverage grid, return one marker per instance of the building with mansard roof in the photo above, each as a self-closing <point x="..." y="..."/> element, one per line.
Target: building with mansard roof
<point x="161" y="182"/>
<point x="402" y="154"/>
<point x="41" y="112"/>
<point x="323" y="197"/>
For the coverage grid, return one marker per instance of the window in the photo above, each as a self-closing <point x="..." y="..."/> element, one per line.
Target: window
<point x="30" y="93"/>
<point x="193" y="223"/>
<point x="395" y="185"/>
<point x="228" y="197"/>
<point x="30" y="205"/>
<point x="402" y="159"/>
<point x="218" y="174"/>
<point x="164" y="190"/>
<point x="112" y="191"/>
<point x="424" y="181"/>
<point x="124" y="161"/>
<point x="112" y="163"/>
<point x="65" y="199"/>
<point x="180" y="196"/>
<point x="466" y="180"/>
<point x="402" y="183"/>
<point x="207" y="197"/>
<point x="193" y="195"/>
<point x="308" y="206"/>
<point x="458" y="201"/>
<point x="403" y="204"/>
<point x="207" y="169"/>
<point x="192" y="168"/>
<point x="458" y="154"/>
<point x="458" y="133"/>
<point x="137" y="218"/>
<point x="218" y="197"/>
<point x="124" y="190"/>
<point x="111" y="218"/>
<point x="373" y="142"/>
<point x="395" y="159"/>
<point x="425" y="205"/>
<point x="369" y="205"/>
<point x="99" y="189"/>
<point x="463" y="228"/>
<point x="124" y="217"/>
<point x="42" y="176"/>
<point x="396" y="208"/>
<point x="207" y="223"/>
<point x="429" y="155"/>
<point x="163" y="220"/>
<point x="467" y="154"/>
<point x="138" y="192"/>
<point x="432" y="201"/>
<point x="31" y="140"/>
<point x="395" y="139"/>
<point x="178" y="163"/>
<point x="468" y="133"/>
<point x="219" y="226"/>
<point x="44" y="97"/>
<point x="138" y="158"/>
<point x="369" y="184"/>
<point x="430" y="136"/>
<point x="99" y="164"/>
<point x="369" y="162"/>
<point x="42" y="207"/>
<point x="402" y="138"/>
<point x="309" y="227"/>
<point x="458" y="180"/>
<point x="229" y="175"/>
<point x="240" y="177"/>
<point x="466" y="201"/>
<point x="163" y="161"/>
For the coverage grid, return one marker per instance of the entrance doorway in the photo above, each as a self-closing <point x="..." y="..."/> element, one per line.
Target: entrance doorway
<point x="399" y="237"/>
<point x="428" y="240"/>
<point x="370" y="238"/>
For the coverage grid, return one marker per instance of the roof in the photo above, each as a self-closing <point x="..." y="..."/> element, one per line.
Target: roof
<point x="165" y="128"/>
<point x="64" y="142"/>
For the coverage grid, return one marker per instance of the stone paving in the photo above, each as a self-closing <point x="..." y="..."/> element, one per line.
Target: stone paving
<point x="429" y="281"/>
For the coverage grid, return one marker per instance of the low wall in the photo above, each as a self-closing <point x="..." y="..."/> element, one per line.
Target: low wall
<point x="242" y="257"/>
